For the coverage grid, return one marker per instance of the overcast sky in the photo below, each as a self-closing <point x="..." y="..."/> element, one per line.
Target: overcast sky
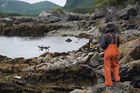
<point x="59" y="2"/>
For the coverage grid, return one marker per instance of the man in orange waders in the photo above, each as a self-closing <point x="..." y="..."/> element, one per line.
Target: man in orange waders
<point x="110" y="43"/>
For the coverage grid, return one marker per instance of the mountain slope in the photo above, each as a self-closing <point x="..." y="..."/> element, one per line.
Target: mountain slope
<point x="42" y="6"/>
<point x="15" y="6"/>
<point x="82" y="6"/>
<point x="88" y="6"/>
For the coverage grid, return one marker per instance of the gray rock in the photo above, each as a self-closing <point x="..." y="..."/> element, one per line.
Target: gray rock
<point x="138" y="28"/>
<point x="129" y="11"/>
<point x="135" y="82"/>
<point x="45" y="16"/>
<point x="9" y="20"/>
<point x="68" y="40"/>
<point x="126" y="59"/>
<point x="73" y="17"/>
<point x="39" y="60"/>
<point x="60" y="15"/>
<point x="131" y="48"/>
<point x="116" y="88"/>
<point x="48" y="91"/>
<point x="135" y="52"/>
<point x="73" y="75"/>
<point x="99" y="13"/>
<point x="111" y="14"/>
<point x="130" y="70"/>
<point x="78" y="91"/>
<point x="100" y="76"/>
<point x="94" y="60"/>
<point x="47" y="58"/>
<point x="85" y="58"/>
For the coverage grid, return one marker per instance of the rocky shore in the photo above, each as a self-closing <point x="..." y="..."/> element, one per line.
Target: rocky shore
<point x="79" y="71"/>
<point x="65" y="72"/>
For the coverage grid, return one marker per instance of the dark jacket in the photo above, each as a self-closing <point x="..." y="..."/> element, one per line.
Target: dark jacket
<point x="105" y="40"/>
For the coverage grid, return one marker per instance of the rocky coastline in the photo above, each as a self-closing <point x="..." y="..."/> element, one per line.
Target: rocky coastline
<point x="79" y="71"/>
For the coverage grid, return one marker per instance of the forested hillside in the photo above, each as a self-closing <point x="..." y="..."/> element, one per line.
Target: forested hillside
<point x="80" y="6"/>
<point x="15" y="6"/>
<point x="117" y="3"/>
<point x="88" y="6"/>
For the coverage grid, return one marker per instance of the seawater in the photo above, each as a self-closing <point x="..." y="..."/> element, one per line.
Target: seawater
<point x="27" y="47"/>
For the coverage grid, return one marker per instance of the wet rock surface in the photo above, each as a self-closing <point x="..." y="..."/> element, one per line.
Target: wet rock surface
<point x="31" y="29"/>
<point x="126" y="13"/>
<point x="71" y="72"/>
<point x="68" y="40"/>
<point x="78" y="71"/>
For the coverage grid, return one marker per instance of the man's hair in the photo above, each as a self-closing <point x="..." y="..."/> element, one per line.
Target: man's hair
<point x="110" y="27"/>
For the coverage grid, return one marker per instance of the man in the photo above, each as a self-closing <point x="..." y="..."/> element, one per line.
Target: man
<point x="110" y="43"/>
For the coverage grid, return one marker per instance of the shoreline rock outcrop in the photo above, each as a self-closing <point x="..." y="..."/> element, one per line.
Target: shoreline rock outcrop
<point x="78" y="71"/>
<point x="65" y="72"/>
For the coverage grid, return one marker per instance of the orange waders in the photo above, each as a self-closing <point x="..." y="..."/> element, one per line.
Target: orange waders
<point x="111" y="62"/>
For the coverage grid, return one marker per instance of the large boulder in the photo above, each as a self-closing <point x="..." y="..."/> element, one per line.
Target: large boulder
<point x="126" y="59"/>
<point x="108" y="12"/>
<point x="116" y="88"/>
<point x="129" y="11"/>
<point x="60" y="15"/>
<point x="130" y="70"/>
<point x="45" y="16"/>
<point x="129" y="35"/>
<point x="53" y="16"/>
<point x="99" y="13"/>
<point x="131" y="48"/>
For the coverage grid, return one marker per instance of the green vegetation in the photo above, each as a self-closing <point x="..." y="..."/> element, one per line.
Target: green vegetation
<point x="42" y="6"/>
<point x="80" y="6"/>
<point x="15" y="6"/>
<point x="6" y="14"/>
<point x="9" y="14"/>
<point x="102" y="3"/>
<point x="88" y="6"/>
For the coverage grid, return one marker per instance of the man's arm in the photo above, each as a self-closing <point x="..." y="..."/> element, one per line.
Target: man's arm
<point x="103" y="42"/>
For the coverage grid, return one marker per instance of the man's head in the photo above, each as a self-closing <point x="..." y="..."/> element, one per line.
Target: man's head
<point x="110" y="27"/>
<point x="105" y="28"/>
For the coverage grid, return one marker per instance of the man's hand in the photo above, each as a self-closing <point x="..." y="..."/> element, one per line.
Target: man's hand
<point x="98" y="45"/>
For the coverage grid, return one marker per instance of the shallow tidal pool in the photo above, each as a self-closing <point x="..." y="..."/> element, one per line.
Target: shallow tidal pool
<point x="27" y="47"/>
